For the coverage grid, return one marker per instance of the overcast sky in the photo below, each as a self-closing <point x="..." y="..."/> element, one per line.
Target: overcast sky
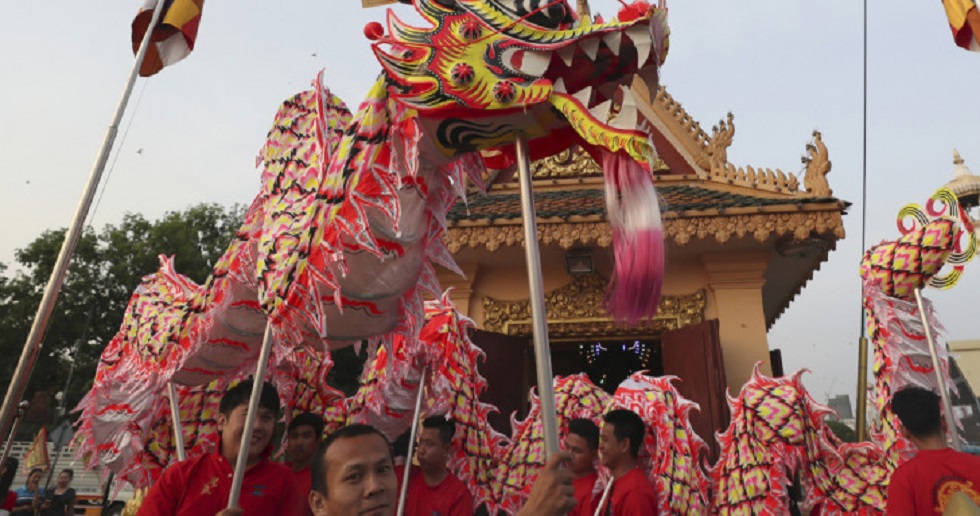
<point x="783" y="68"/>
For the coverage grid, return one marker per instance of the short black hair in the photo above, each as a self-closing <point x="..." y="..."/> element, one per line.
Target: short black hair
<point x="626" y="424"/>
<point x="9" y="473"/>
<point x="585" y="429"/>
<point x="318" y="469"/>
<point x="918" y="410"/>
<point x="307" y="419"/>
<point x="242" y="393"/>
<point x="446" y="428"/>
<point x="71" y="473"/>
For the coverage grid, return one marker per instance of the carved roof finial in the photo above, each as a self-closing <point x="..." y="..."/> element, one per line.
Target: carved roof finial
<point x="583" y="9"/>
<point x="817" y="167"/>
<point x="959" y="166"/>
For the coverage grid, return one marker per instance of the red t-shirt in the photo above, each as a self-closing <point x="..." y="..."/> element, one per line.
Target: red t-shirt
<point x="200" y="486"/>
<point x="304" y="483"/>
<point x="924" y="484"/>
<point x="449" y="498"/>
<point x="9" y="501"/>
<point x="584" y="503"/>
<point x="632" y="495"/>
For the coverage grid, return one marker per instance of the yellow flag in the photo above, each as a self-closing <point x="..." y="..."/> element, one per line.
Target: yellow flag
<point x="37" y="454"/>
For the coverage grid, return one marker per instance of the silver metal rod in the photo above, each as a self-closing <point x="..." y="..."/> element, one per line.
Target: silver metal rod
<point x="33" y="345"/>
<point x="411" y="446"/>
<point x="253" y="409"/>
<point x="175" y="420"/>
<point x="862" y="393"/>
<point x="539" y="318"/>
<point x="605" y="497"/>
<point x="936" y="366"/>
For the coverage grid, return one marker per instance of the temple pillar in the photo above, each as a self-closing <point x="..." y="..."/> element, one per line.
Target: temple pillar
<point x="735" y="280"/>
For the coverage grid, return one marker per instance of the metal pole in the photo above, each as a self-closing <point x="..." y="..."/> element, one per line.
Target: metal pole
<point x="33" y="345"/>
<point x="21" y="411"/>
<point x="411" y="446"/>
<point x="253" y="408"/>
<point x="862" y="394"/>
<point x="175" y="420"/>
<point x="943" y="390"/>
<point x="539" y="319"/>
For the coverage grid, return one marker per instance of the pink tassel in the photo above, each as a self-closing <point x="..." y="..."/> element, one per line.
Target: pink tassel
<point x="638" y="239"/>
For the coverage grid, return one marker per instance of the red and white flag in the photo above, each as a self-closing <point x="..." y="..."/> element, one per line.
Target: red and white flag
<point x="173" y="37"/>
<point x="964" y="20"/>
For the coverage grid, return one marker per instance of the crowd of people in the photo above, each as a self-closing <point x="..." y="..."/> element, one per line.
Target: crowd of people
<point x="32" y="498"/>
<point x="353" y="471"/>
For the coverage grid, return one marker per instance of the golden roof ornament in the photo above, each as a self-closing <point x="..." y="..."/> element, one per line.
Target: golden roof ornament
<point x="965" y="184"/>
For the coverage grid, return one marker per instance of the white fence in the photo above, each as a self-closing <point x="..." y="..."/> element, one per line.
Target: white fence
<point x="86" y="482"/>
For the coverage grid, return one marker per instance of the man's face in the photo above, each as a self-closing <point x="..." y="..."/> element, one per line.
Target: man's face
<point x="232" y="426"/>
<point x="583" y="456"/>
<point x="360" y="479"/>
<point x="301" y="442"/>
<point x="431" y="451"/>
<point x="611" y="450"/>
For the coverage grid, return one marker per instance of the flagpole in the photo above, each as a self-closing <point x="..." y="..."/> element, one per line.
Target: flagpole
<point x="936" y="366"/>
<point x="175" y="421"/>
<point x="32" y="347"/>
<point x="253" y="408"/>
<point x="411" y="446"/>
<point x="539" y="318"/>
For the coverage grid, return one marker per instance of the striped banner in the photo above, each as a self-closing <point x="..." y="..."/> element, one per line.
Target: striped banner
<point x="173" y="38"/>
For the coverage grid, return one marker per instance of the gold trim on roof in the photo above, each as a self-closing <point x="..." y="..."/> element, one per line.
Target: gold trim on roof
<point x="575" y="311"/>
<point x="761" y="226"/>
<point x="569" y="163"/>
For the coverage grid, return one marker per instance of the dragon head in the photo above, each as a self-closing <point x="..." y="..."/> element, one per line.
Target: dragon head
<point x="486" y="69"/>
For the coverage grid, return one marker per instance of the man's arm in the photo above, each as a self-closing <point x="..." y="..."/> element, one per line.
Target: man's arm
<point x="552" y="493"/>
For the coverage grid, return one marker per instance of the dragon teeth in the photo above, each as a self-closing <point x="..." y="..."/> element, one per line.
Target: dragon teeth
<point x="559" y="86"/>
<point x="591" y="47"/>
<point x="613" y="40"/>
<point x="643" y="42"/>
<point x="536" y="64"/>
<point x="601" y="112"/>
<point x="584" y="96"/>
<point x="567" y="55"/>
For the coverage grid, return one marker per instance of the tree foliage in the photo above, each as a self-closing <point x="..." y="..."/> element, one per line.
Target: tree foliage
<point x="105" y="269"/>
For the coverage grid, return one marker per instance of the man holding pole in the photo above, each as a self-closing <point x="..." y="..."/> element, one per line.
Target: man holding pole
<point x="432" y="488"/>
<point x="926" y="483"/>
<point x="582" y="444"/>
<point x="619" y="446"/>
<point x="200" y="486"/>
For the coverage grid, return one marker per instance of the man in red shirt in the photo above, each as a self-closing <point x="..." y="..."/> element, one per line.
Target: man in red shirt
<point x="925" y="484"/>
<point x="619" y="445"/>
<point x="353" y="473"/>
<point x="200" y="486"/>
<point x="432" y="489"/>
<point x="582" y="443"/>
<point x="302" y="439"/>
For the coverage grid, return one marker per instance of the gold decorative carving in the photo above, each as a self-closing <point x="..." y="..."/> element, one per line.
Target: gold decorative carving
<point x="760" y="225"/>
<point x="760" y="179"/>
<point x="801" y="225"/>
<point x="569" y="163"/>
<point x="575" y="311"/>
<point x="685" y="123"/>
<point x="721" y="139"/>
<point x="567" y="235"/>
<point x="574" y="163"/>
<point x="818" y="165"/>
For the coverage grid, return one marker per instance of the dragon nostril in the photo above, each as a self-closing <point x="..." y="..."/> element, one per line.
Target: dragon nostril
<point x="504" y="92"/>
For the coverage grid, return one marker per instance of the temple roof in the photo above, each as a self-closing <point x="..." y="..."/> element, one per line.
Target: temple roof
<point x="708" y="203"/>
<point x="677" y="199"/>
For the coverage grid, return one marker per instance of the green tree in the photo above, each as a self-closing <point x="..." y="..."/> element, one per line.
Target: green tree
<point x="105" y="269"/>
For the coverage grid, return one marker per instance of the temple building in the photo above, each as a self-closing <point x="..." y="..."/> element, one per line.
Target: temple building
<point x="742" y="243"/>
